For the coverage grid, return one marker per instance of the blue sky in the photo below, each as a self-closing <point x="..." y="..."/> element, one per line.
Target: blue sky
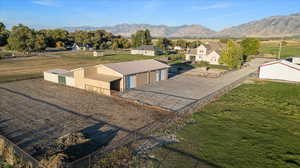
<point x="214" y="14"/>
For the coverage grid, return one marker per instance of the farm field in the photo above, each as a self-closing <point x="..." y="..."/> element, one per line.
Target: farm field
<point x="32" y="67"/>
<point x="254" y="125"/>
<point x="287" y="51"/>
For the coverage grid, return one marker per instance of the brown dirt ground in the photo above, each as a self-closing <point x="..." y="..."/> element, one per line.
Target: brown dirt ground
<point x="34" y="113"/>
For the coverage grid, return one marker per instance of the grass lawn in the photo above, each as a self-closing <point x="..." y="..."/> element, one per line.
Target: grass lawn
<point x="287" y="51"/>
<point x="253" y="126"/>
<point x="23" y="68"/>
<point x="204" y="64"/>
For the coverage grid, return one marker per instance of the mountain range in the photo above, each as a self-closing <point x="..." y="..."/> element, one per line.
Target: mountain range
<point x="274" y="26"/>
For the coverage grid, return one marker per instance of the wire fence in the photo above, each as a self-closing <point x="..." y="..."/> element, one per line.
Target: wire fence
<point x="19" y="155"/>
<point x="142" y="133"/>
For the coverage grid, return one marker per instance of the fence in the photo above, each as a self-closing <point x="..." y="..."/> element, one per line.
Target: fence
<point x="22" y="156"/>
<point x="145" y="132"/>
<point x="142" y="133"/>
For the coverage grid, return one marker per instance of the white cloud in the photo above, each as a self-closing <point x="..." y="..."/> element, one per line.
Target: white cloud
<point x="45" y="2"/>
<point x="213" y="6"/>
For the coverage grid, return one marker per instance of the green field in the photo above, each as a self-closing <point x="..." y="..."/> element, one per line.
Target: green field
<point x="253" y="126"/>
<point x="32" y="67"/>
<point x="287" y="51"/>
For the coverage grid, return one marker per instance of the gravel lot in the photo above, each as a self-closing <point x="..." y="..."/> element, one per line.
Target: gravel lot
<point x="34" y="113"/>
<point x="182" y="90"/>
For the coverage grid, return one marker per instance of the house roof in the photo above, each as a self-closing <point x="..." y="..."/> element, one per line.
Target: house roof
<point x="148" y="47"/>
<point x="283" y="62"/>
<point x="82" y="45"/>
<point x="214" y="46"/>
<point x="134" y="67"/>
<point x="211" y="46"/>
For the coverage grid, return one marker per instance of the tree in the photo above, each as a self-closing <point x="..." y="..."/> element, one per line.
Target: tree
<point x="22" y="38"/>
<point x="40" y="42"/>
<point x="232" y="55"/>
<point x="59" y="44"/>
<point x="141" y="37"/>
<point x="181" y="43"/>
<point x="284" y="43"/>
<point x="163" y="43"/>
<point x="194" y="44"/>
<point x="250" y="47"/>
<point x="4" y="34"/>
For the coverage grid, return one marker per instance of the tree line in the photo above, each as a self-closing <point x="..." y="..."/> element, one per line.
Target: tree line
<point x="24" y="39"/>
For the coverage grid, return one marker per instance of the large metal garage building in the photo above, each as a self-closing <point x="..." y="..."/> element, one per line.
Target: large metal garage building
<point x="280" y="70"/>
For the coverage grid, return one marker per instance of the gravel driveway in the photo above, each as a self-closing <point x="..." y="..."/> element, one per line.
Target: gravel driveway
<point x="182" y="90"/>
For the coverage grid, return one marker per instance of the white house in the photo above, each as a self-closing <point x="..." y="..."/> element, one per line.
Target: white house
<point x="148" y="50"/>
<point x="296" y="60"/>
<point x="178" y="48"/>
<point x="209" y="52"/>
<point x="81" y="47"/>
<point x="280" y="70"/>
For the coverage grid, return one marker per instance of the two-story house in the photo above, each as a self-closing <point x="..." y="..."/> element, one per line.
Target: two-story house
<point x="209" y="52"/>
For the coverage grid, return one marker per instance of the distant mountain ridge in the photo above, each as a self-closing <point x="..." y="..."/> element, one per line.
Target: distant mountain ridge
<point x="274" y="26"/>
<point x="156" y="30"/>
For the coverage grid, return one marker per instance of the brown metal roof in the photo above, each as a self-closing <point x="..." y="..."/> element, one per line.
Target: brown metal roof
<point x="134" y="67"/>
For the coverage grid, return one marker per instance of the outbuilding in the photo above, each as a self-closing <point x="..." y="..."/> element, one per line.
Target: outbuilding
<point x="280" y="70"/>
<point x="296" y="60"/>
<point x="148" y="50"/>
<point x="108" y="79"/>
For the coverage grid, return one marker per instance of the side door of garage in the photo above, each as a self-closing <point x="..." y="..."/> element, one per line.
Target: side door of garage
<point x="62" y="80"/>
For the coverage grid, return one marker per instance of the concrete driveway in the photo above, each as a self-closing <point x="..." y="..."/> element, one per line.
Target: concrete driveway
<point x="181" y="91"/>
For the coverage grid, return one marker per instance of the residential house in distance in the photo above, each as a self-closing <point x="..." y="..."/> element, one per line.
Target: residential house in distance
<point x="280" y="70"/>
<point x="148" y="50"/>
<point x="108" y="79"/>
<point x="178" y="48"/>
<point x="81" y="47"/>
<point x="209" y="52"/>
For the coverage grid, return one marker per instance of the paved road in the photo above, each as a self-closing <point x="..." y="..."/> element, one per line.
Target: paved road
<point x="182" y="90"/>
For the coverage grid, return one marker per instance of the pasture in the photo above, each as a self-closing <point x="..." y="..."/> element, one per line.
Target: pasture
<point x="254" y="125"/>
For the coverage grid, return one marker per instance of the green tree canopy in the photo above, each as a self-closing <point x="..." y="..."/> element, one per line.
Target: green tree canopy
<point x="232" y="55"/>
<point x="250" y="47"/>
<point x="164" y="43"/>
<point x="22" y="38"/>
<point x="4" y="34"/>
<point x="141" y="37"/>
<point x="182" y="43"/>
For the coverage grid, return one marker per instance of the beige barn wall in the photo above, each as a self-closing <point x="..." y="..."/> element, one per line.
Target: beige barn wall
<point x="97" y="86"/>
<point x="152" y="77"/>
<point x="142" y="79"/>
<point x="79" y="78"/>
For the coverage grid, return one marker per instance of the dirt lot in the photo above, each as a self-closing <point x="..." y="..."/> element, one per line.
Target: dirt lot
<point x="34" y="113"/>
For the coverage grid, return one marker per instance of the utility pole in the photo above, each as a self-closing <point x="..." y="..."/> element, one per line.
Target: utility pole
<point x="280" y="48"/>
